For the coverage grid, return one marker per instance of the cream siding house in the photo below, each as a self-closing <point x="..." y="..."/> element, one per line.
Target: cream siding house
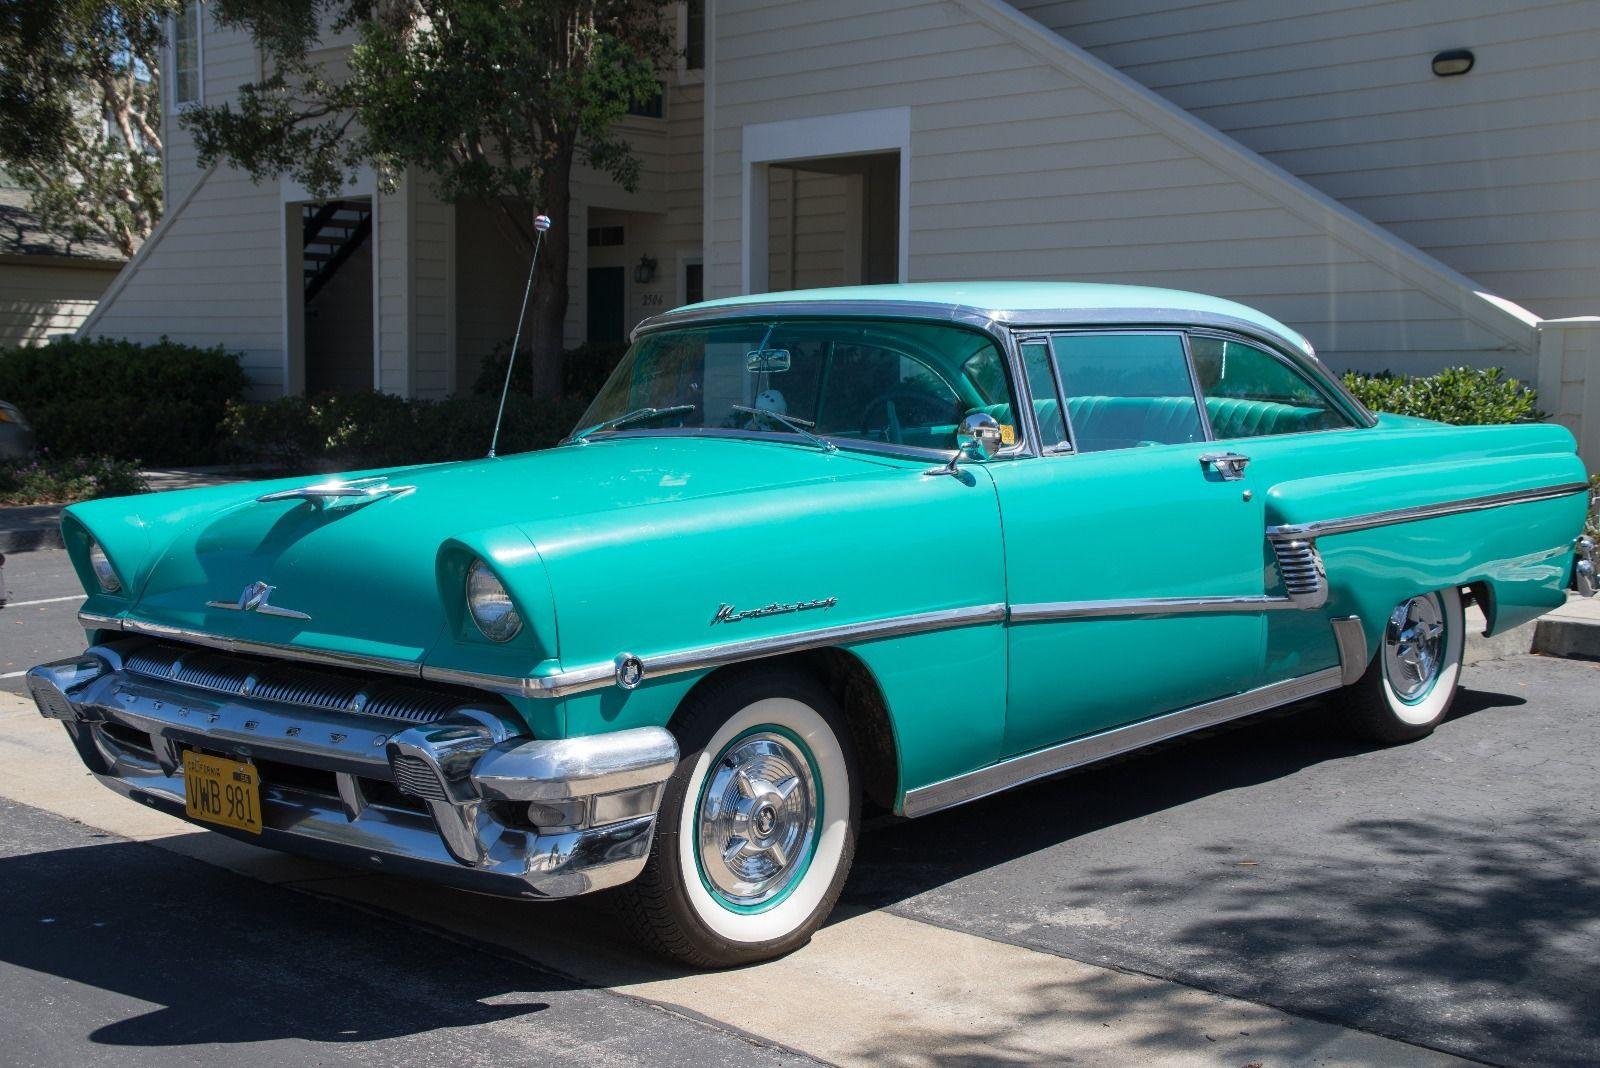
<point x="1300" y="157"/>
<point x="49" y="283"/>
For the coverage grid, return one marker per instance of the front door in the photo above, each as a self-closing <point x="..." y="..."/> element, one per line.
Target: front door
<point x="608" y="293"/>
<point x="1125" y="553"/>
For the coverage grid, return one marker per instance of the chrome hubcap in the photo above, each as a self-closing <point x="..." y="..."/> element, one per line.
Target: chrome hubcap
<point x="758" y="816"/>
<point x="1413" y="646"/>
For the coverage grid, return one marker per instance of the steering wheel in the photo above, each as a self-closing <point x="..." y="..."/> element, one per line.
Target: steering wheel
<point x="900" y="405"/>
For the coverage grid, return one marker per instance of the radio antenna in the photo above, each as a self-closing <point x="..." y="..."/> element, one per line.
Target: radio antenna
<point x="541" y="223"/>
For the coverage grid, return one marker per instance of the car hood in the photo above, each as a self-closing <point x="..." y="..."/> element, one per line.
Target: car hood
<point x="364" y="577"/>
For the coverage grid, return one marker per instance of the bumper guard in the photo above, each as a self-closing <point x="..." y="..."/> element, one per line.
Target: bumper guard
<point x="489" y="808"/>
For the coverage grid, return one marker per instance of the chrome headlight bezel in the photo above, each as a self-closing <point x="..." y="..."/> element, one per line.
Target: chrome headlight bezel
<point x="489" y="604"/>
<point x="104" y="573"/>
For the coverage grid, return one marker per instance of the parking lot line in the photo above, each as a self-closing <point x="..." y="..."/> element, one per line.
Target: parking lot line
<point x="872" y="988"/>
<point x="44" y="600"/>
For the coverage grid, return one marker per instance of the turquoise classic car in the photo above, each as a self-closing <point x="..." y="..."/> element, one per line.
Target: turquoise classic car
<point x="903" y="546"/>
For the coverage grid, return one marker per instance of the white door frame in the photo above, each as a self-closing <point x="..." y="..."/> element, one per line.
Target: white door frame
<point x="290" y="192"/>
<point x="793" y="141"/>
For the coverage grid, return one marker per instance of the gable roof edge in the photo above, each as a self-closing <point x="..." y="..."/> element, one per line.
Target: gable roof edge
<point x="1510" y="321"/>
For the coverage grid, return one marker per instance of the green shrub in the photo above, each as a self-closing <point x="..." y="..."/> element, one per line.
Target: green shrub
<point x="77" y="478"/>
<point x="354" y="430"/>
<point x="158" y="404"/>
<point x="583" y="369"/>
<point x="1465" y="396"/>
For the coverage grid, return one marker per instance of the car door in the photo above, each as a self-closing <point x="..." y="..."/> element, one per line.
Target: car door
<point x="1284" y="422"/>
<point x="1134" y="567"/>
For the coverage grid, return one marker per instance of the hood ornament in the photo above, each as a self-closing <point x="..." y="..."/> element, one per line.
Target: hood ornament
<point x="254" y="599"/>
<point x="324" y="494"/>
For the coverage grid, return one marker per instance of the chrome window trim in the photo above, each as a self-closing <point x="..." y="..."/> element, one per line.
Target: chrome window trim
<point x="899" y="311"/>
<point x="1042" y="763"/>
<point x="1369" y="520"/>
<point x="1199" y="395"/>
<point x="1183" y="340"/>
<point x="1030" y="337"/>
<point x="1320" y="378"/>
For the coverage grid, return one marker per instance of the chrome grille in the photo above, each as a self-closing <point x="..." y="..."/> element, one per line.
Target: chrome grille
<point x="413" y="776"/>
<point x="291" y="684"/>
<point x="313" y="689"/>
<point x="1299" y="567"/>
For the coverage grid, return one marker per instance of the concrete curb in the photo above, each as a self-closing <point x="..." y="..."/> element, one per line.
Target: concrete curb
<point x="1567" y="638"/>
<point x="22" y="541"/>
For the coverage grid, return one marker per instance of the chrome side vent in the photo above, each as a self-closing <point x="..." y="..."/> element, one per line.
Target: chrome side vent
<point x="414" y="776"/>
<point x="1301" y="571"/>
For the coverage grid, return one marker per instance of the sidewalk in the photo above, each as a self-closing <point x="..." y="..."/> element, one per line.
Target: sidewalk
<point x="38" y="526"/>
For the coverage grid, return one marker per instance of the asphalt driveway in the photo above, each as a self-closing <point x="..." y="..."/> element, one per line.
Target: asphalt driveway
<point x="1445" y="894"/>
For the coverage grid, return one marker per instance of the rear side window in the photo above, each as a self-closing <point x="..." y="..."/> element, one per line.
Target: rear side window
<point x="1126" y="391"/>
<point x="1251" y="393"/>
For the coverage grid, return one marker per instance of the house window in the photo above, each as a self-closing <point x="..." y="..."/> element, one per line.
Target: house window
<point x="651" y="107"/>
<point x="694" y="283"/>
<point x="606" y="237"/>
<point x="186" y="46"/>
<point x="694" y="44"/>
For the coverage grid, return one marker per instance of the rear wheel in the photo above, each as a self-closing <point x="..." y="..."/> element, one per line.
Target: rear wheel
<point x="757" y="826"/>
<point x="1409" y="685"/>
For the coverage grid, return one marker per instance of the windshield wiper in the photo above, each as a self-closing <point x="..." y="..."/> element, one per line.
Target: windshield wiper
<point x="797" y="425"/>
<point x="635" y="416"/>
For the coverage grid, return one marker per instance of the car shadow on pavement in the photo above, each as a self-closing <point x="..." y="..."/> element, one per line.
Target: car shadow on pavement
<point x="901" y="858"/>
<point x="226" y="959"/>
<point x="1467" y="928"/>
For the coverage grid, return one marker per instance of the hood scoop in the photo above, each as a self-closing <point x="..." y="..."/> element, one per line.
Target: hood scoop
<point x="339" y="493"/>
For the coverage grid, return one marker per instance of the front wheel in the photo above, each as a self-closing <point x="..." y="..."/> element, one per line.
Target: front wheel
<point x="757" y="826"/>
<point x="1408" y="687"/>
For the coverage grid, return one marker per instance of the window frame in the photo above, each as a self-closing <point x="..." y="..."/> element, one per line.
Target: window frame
<point x="1048" y="334"/>
<point x="174" y="105"/>
<point x="1318" y="387"/>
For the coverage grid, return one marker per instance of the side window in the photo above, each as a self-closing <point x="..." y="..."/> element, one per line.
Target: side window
<point x="1250" y="393"/>
<point x="1046" y="398"/>
<point x="186" y="45"/>
<point x="1127" y="390"/>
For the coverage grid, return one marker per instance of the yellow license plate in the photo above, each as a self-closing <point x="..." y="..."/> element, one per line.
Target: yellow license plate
<point x="219" y="790"/>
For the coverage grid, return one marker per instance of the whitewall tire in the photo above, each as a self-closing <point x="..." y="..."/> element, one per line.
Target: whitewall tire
<point x="1411" y="682"/>
<point x="757" y="825"/>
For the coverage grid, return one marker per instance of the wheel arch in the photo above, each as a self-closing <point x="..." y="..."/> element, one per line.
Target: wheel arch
<point x="852" y="683"/>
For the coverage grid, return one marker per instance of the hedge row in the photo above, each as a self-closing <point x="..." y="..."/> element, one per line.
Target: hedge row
<point x="353" y="430"/>
<point x="156" y="404"/>
<point x="1465" y="396"/>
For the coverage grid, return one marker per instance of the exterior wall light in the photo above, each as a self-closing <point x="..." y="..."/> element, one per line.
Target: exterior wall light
<point x="644" y="271"/>
<point x="1456" y="61"/>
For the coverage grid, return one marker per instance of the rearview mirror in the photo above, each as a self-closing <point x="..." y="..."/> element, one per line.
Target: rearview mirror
<point x="766" y="361"/>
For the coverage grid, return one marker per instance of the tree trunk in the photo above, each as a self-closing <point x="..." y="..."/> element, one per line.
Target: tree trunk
<point x="547" y="317"/>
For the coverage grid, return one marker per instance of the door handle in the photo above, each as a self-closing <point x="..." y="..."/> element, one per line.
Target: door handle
<point x="1230" y="465"/>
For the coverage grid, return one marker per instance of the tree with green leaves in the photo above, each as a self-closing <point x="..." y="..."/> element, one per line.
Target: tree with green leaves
<point x="80" y="113"/>
<point x="493" y="100"/>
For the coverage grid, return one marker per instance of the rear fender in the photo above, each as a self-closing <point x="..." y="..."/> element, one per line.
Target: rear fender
<point x="1505" y="524"/>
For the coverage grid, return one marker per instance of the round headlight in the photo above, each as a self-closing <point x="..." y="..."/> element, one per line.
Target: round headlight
<point x="104" y="573"/>
<point x="491" y="605"/>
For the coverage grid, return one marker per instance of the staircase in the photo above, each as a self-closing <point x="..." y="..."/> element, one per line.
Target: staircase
<point x="333" y="231"/>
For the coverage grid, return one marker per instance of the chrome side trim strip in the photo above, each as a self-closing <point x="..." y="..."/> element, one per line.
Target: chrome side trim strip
<point x="596" y="676"/>
<point x="1046" y="762"/>
<point x="1352" y="642"/>
<point x="1146" y="606"/>
<point x="1325" y="527"/>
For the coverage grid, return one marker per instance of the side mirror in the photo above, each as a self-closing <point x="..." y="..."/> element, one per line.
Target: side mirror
<point x="978" y="436"/>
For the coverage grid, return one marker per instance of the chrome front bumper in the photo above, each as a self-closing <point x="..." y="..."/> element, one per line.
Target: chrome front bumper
<point x="465" y="799"/>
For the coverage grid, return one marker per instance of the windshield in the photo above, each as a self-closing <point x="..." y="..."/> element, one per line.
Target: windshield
<point x="841" y="380"/>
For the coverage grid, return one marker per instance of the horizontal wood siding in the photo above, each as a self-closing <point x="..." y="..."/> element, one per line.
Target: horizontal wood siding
<point x="213" y="275"/>
<point x="39" y="302"/>
<point x="1021" y="169"/>
<point x="1496" y="173"/>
